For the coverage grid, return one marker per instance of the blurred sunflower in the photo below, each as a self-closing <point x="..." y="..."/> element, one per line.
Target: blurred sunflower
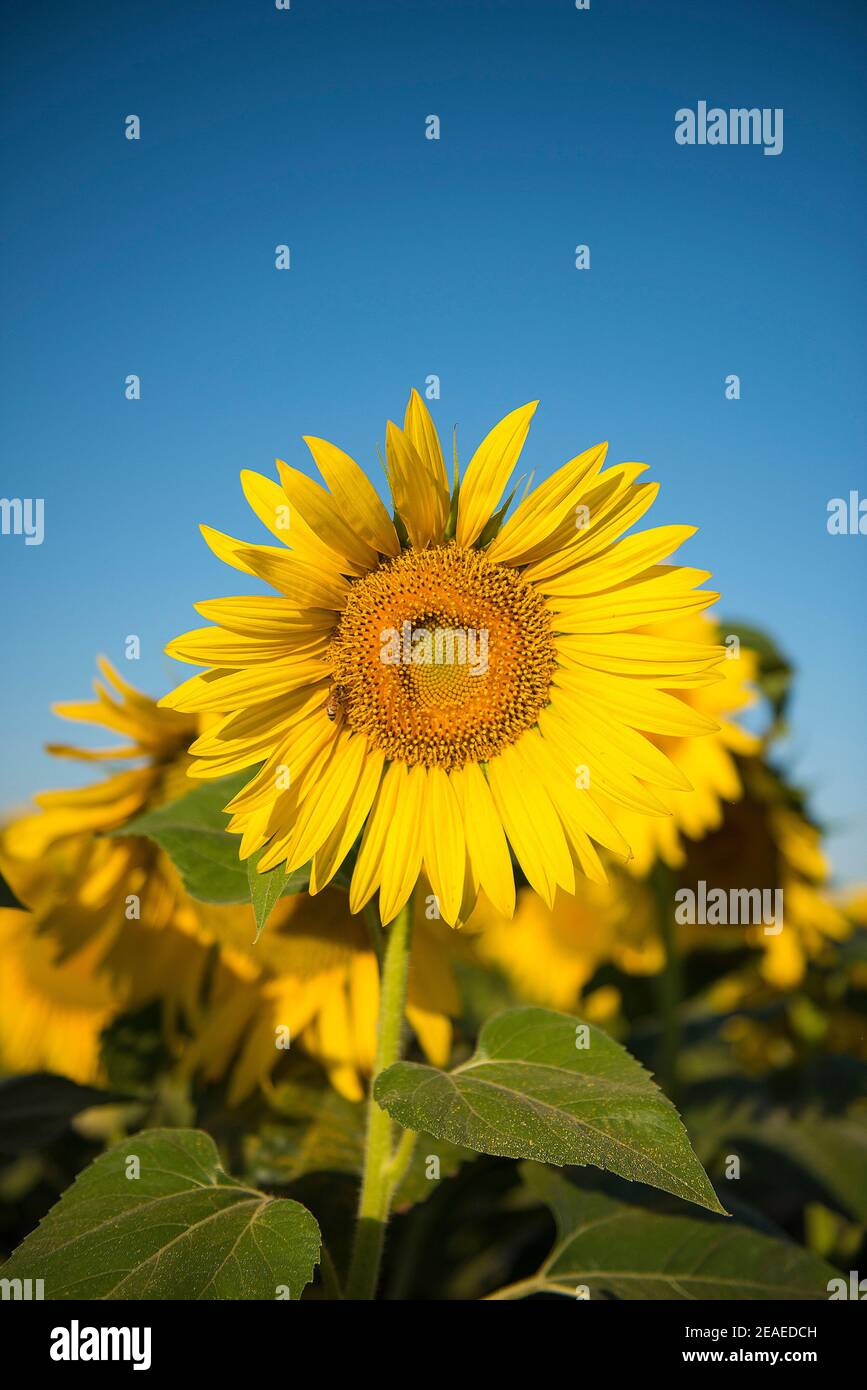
<point x="778" y="1018"/>
<point x="708" y="764"/>
<point x="550" y="957"/>
<point x="112" y="928"/>
<point x="336" y="689"/>
<point x="767" y="841"/>
<point x="314" y="977"/>
<point x="103" y="905"/>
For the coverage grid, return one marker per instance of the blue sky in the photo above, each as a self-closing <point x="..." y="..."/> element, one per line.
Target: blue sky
<point x="413" y="257"/>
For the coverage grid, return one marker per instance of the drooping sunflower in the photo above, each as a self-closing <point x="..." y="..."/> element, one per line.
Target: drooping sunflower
<point x="61" y="860"/>
<point x="769" y="841"/>
<point x="347" y="696"/>
<point x="111" y="928"/>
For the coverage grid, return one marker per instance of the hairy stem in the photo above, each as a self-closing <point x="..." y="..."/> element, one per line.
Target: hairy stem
<point x="378" y="1181"/>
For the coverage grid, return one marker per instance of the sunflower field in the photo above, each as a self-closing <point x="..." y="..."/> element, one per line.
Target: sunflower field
<point x="432" y="861"/>
<point x="454" y="932"/>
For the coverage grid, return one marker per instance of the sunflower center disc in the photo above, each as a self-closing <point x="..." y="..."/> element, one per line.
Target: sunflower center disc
<point x="443" y="657"/>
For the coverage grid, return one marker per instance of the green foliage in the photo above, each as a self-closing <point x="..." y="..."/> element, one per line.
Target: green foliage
<point x="316" y="1130"/>
<point x="181" y="1229"/>
<point x="531" y="1092"/>
<point x="267" y="888"/>
<point x="818" y="1137"/>
<point x="617" y="1244"/>
<point x="192" y="832"/>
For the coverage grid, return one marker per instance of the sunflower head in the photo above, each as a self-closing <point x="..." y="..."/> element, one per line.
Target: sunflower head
<point x="446" y="690"/>
<point x="410" y="656"/>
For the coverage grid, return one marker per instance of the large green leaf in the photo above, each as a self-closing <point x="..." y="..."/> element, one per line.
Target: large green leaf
<point x="614" y="1244"/>
<point x="531" y="1092"/>
<point x="36" y="1109"/>
<point x="315" y="1130"/>
<point x="182" y="1229"/>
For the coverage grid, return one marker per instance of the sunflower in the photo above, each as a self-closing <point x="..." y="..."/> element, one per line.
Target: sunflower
<point x="449" y="685"/>
<point x="85" y="955"/>
<point x="709" y="764"/>
<point x="81" y="883"/>
<point x="768" y="841"/>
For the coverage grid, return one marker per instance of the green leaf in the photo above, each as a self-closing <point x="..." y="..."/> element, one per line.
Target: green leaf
<point x="318" y="1131"/>
<point x="182" y="1229"/>
<point x="8" y="898"/>
<point x="805" y="1139"/>
<point x="266" y="889"/>
<point x="619" y="1245"/>
<point x="192" y="831"/>
<point x="36" y="1109"/>
<point x="531" y="1092"/>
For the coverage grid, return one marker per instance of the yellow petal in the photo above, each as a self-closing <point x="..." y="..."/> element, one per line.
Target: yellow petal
<point x="403" y="846"/>
<point x="327" y="803"/>
<point x="414" y="490"/>
<point x="334" y="849"/>
<point x="324" y="517"/>
<point x="546" y="507"/>
<point x="272" y="506"/>
<point x="489" y="471"/>
<point x="421" y="431"/>
<point x="368" y="865"/>
<point x="621" y="562"/>
<point x="355" y="495"/>
<point x="252" y="615"/>
<point x="213" y="646"/>
<point x="226" y="690"/>
<point x="303" y="584"/>
<point x="443" y="844"/>
<point x="226" y="548"/>
<point x="634" y="703"/>
<point x="486" y="839"/>
<point x="531" y="824"/>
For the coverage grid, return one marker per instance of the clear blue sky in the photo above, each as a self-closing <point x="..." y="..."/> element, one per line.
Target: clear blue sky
<point x="412" y="257"/>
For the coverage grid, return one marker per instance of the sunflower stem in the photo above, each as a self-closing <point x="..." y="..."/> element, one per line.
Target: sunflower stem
<point x="377" y="1184"/>
<point x="400" y="1161"/>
